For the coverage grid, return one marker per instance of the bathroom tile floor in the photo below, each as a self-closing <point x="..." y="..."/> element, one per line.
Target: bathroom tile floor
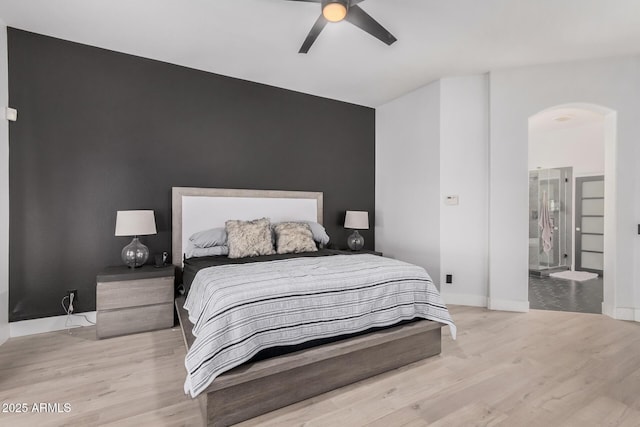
<point x="548" y="293"/>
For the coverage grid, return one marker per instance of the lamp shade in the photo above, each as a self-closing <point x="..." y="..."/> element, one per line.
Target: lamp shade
<point x="135" y="223"/>
<point x="357" y="220"/>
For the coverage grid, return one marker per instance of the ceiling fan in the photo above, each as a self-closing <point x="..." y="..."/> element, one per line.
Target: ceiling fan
<point x="338" y="10"/>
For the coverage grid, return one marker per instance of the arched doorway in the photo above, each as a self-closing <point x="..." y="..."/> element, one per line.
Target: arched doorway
<point x="565" y="241"/>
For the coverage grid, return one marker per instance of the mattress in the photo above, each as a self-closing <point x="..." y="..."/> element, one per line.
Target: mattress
<point x="241" y="308"/>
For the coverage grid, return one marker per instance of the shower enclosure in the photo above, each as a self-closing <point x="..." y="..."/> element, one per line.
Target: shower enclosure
<point x="550" y="192"/>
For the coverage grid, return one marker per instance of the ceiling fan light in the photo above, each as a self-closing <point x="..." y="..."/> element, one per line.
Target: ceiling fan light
<point x="334" y="11"/>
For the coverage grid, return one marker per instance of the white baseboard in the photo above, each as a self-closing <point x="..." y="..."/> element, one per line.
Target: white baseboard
<point x="4" y="332"/>
<point x="608" y="310"/>
<point x="623" y="313"/>
<point x="49" y="324"/>
<point x="464" y="299"/>
<point x="507" y="305"/>
<point x="627" y="313"/>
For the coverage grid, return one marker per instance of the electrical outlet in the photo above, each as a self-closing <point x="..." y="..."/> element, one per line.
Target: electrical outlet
<point x="449" y="278"/>
<point x="75" y="298"/>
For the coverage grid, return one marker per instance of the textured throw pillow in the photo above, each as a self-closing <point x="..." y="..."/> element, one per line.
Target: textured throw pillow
<point x="294" y="237"/>
<point x="209" y="238"/>
<point x="249" y="238"/>
<point x="320" y="235"/>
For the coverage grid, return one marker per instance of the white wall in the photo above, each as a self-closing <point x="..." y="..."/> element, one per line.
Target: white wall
<point x="516" y="95"/>
<point x="464" y="163"/>
<point x="581" y="147"/>
<point x="4" y="189"/>
<point x="432" y="143"/>
<point x="444" y="120"/>
<point x="408" y="178"/>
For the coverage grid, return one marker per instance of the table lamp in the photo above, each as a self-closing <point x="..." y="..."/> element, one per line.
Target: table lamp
<point x="356" y="220"/>
<point x="135" y="223"/>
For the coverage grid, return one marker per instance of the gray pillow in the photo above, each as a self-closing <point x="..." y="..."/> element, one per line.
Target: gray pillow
<point x="249" y="238"/>
<point x="209" y="238"/>
<point x="319" y="233"/>
<point x="294" y="237"/>
<point x="196" y="252"/>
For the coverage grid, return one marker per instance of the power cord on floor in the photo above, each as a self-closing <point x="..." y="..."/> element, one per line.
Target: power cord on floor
<point x="69" y="311"/>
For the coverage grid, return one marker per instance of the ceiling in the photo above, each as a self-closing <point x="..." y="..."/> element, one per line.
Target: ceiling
<point x="563" y="118"/>
<point x="258" y="40"/>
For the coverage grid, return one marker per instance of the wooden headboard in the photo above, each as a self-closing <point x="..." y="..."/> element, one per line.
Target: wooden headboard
<point x="198" y="209"/>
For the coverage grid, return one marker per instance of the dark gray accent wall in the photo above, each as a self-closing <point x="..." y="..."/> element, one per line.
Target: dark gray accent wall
<point x="100" y="131"/>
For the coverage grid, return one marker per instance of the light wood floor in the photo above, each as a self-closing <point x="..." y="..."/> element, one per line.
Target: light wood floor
<point x="542" y="368"/>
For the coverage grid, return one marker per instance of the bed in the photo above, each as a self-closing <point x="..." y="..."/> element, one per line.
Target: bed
<point x="327" y="325"/>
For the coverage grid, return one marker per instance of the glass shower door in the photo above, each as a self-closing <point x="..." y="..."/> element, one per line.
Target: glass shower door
<point x="550" y="219"/>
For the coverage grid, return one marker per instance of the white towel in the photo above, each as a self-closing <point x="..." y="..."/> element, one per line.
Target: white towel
<point x="546" y="225"/>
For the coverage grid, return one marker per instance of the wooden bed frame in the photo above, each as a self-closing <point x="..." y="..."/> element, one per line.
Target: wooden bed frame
<point x="256" y="388"/>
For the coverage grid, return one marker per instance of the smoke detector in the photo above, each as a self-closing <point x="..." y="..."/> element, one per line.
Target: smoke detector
<point x="562" y="118"/>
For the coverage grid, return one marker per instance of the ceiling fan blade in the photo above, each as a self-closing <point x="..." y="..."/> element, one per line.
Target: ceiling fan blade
<point x="312" y="1"/>
<point x="362" y="20"/>
<point x="313" y="34"/>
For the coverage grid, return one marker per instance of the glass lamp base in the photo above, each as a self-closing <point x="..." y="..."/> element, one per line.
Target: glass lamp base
<point x="355" y="241"/>
<point x="135" y="254"/>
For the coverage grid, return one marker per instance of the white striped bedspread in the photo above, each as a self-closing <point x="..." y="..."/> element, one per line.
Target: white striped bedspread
<point x="239" y="309"/>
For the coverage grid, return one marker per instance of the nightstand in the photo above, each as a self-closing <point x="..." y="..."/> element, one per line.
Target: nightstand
<point x="361" y="251"/>
<point x="134" y="300"/>
<point x="368" y="251"/>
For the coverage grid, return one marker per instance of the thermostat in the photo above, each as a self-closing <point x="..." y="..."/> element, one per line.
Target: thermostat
<point x="12" y="114"/>
<point x="451" y="200"/>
